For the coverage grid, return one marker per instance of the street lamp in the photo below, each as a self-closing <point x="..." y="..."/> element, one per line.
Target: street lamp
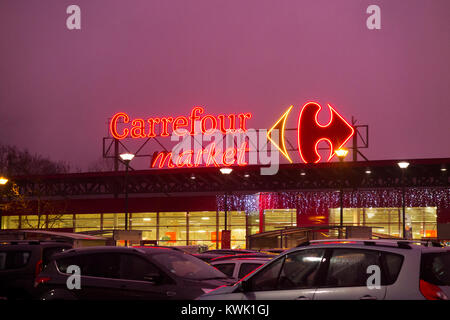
<point x="126" y="157"/>
<point x="3" y="181"/>
<point x="403" y="165"/>
<point x="341" y="153"/>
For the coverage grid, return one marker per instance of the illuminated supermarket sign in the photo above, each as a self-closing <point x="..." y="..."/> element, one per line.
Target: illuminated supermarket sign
<point x="180" y="126"/>
<point x="309" y="133"/>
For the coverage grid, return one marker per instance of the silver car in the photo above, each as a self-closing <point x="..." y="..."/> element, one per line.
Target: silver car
<point x="348" y="270"/>
<point x="240" y="267"/>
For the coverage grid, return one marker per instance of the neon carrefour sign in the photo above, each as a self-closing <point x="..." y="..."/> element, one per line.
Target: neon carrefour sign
<point x="309" y="134"/>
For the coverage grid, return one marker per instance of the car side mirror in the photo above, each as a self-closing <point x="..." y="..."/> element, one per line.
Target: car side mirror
<point x="154" y="277"/>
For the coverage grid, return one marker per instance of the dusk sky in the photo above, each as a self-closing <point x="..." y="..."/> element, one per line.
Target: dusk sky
<point x="150" y="58"/>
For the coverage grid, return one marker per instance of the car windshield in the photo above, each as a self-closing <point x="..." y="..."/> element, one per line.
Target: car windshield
<point x="187" y="266"/>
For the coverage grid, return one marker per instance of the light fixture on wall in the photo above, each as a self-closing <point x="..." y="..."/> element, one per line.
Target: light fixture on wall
<point x="226" y="170"/>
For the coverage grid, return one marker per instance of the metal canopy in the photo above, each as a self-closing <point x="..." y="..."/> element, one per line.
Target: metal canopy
<point x="322" y="176"/>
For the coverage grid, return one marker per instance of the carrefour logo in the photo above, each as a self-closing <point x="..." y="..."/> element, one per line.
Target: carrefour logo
<point x="310" y="132"/>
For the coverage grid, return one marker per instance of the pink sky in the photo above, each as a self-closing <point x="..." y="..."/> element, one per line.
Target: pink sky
<point x="157" y="58"/>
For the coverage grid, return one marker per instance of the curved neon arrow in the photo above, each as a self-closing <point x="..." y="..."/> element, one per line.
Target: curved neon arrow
<point x="280" y="124"/>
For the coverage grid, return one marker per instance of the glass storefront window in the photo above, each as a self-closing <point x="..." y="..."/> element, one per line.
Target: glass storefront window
<point x="203" y="228"/>
<point x="87" y="222"/>
<point x="236" y="223"/>
<point x="60" y="221"/>
<point x="10" y="222"/>
<point x="172" y="218"/>
<point x="172" y="229"/>
<point x="147" y="223"/>
<point x="113" y="221"/>
<point x="33" y="221"/>
<point x="276" y="219"/>
<point x="388" y="221"/>
<point x="143" y="220"/>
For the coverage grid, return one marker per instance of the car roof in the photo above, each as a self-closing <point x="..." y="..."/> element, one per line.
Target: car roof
<point x="425" y="246"/>
<point x="242" y="260"/>
<point x="105" y="249"/>
<point x="14" y="244"/>
<point x="243" y="255"/>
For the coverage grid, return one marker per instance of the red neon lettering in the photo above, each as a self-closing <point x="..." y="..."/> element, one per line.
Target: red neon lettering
<point x="163" y="156"/>
<point x="213" y="124"/>
<point x="242" y="118"/>
<point x="113" y="125"/>
<point x="241" y="154"/>
<point x="198" y="159"/>
<point x="180" y="122"/>
<point x="229" y="154"/>
<point x="222" y="123"/>
<point x="194" y="117"/>
<point x="211" y="155"/>
<point x="214" y="157"/>
<point x="181" y="125"/>
<point x="232" y="118"/>
<point x="137" y="131"/>
<point x="165" y="124"/>
<point x="152" y="122"/>
<point x="187" y="160"/>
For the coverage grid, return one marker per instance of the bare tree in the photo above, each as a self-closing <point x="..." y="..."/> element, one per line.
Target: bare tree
<point x="15" y="162"/>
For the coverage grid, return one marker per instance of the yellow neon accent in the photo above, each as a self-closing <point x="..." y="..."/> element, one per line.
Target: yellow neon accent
<point x="283" y="145"/>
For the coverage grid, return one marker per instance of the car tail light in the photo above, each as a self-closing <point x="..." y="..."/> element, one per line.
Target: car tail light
<point x="431" y="291"/>
<point x="38" y="268"/>
<point x="39" y="280"/>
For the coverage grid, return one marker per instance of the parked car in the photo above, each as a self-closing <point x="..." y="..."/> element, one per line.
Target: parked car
<point x="244" y="255"/>
<point x="206" y="257"/>
<point x="273" y="251"/>
<point x="229" y="251"/>
<point x="121" y="273"/>
<point x="20" y="263"/>
<point x="238" y="268"/>
<point x="336" y="269"/>
<point x="210" y="255"/>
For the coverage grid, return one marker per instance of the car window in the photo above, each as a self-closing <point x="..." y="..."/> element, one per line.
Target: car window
<point x="246" y="268"/>
<point x="103" y="265"/>
<point x="300" y="269"/>
<point x="226" y="268"/>
<point x="14" y="259"/>
<point x="348" y="267"/>
<point x="186" y="266"/>
<point x="267" y="278"/>
<point x="392" y="266"/>
<point x="47" y="253"/>
<point x="136" y="268"/>
<point x="435" y="268"/>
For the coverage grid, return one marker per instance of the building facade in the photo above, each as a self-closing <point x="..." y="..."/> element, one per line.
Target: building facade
<point x="200" y="205"/>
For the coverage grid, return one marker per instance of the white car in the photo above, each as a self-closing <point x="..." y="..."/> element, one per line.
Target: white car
<point x="240" y="267"/>
<point x="348" y="270"/>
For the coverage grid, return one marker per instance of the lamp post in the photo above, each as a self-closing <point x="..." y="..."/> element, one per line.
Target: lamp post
<point x="3" y="181"/>
<point x="403" y="165"/>
<point x="341" y="153"/>
<point x="126" y="158"/>
<point x="225" y="171"/>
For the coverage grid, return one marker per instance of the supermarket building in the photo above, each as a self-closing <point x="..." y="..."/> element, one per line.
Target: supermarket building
<point x="191" y="206"/>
